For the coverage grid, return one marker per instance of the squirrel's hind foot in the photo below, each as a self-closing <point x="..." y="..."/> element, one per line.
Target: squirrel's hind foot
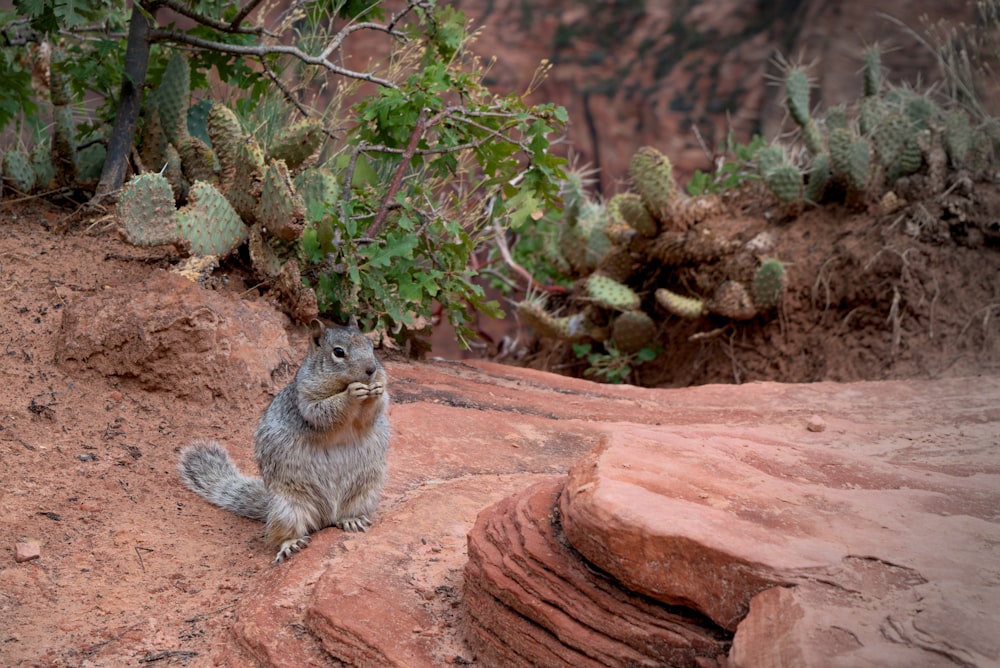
<point x="290" y="547"/>
<point x="354" y="524"/>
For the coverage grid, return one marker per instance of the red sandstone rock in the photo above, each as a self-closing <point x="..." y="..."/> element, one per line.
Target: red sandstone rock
<point x="171" y="334"/>
<point x="27" y="550"/>
<point x="468" y="435"/>
<point x="531" y="600"/>
<point x="875" y="536"/>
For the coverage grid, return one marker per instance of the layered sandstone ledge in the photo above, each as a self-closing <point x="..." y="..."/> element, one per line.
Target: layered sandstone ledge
<point x="709" y="526"/>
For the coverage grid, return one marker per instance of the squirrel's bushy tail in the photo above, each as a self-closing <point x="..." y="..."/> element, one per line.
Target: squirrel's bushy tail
<point x="207" y="470"/>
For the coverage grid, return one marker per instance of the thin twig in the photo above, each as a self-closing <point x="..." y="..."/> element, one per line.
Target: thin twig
<point x="142" y="564"/>
<point x="273" y="76"/>
<point x="167" y="654"/>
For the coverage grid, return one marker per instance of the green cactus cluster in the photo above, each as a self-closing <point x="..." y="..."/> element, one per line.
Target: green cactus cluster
<point x="655" y="230"/>
<point x="230" y="189"/>
<point x="732" y="299"/>
<point x="862" y="152"/>
<point x="56" y="160"/>
<point x="259" y="185"/>
<point x="206" y="225"/>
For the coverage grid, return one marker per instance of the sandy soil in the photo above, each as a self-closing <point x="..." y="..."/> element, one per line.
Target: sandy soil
<point x="88" y="470"/>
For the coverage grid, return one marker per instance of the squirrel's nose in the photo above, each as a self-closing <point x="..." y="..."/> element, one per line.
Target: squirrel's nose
<point x="371" y="370"/>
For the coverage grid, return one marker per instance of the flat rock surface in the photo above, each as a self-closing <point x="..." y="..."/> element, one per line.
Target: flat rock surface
<point x="885" y="527"/>
<point x="894" y="503"/>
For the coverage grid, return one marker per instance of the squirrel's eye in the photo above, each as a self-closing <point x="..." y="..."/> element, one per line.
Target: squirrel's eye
<point x="339" y="352"/>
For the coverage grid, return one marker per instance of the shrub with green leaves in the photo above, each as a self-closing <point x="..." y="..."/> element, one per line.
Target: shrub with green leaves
<point x="420" y="163"/>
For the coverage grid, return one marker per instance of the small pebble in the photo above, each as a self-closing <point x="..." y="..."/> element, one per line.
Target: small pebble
<point x="27" y="550"/>
<point x="816" y="423"/>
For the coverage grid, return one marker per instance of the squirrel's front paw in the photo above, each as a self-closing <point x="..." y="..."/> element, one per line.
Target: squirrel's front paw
<point x="354" y="524"/>
<point x="364" y="391"/>
<point x="290" y="547"/>
<point x="358" y="390"/>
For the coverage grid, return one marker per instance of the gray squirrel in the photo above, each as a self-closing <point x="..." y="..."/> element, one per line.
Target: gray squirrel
<point x="321" y="447"/>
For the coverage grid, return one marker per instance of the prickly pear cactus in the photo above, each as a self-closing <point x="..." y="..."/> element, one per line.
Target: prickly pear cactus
<point x="562" y="328"/>
<point x="652" y="177"/>
<point x="609" y="293"/>
<point x="679" y="305"/>
<point x="769" y="284"/>
<point x="785" y="181"/>
<point x="146" y="211"/>
<point x="319" y="191"/>
<point x="297" y="143"/>
<point x="632" y="331"/>
<point x="17" y="171"/>
<point x="172" y="96"/>
<point x="731" y="300"/>
<point x="209" y="222"/>
<point x="281" y="211"/>
<point x="226" y="134"/>
<point x="583" y="240"/>
<point x="64" y="145"/>
<point x="198" y="162"/>
<point x="41" y="163"/>
<point x="630" y="210"/>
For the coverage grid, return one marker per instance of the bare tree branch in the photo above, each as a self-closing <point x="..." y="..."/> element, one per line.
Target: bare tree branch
<point x="243" y="13"/>
<point x="221" y="26"/>
<point x="347" y="30"/>
<point x="260" y="51"/>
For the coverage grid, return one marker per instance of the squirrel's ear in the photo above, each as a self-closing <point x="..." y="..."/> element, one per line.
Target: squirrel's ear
<point x="353" y="322"/>
<point x="316" y="331"/>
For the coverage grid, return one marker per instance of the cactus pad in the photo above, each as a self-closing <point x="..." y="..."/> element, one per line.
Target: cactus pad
<point x="198" y="162"/>
<point x="59" y="91"/>
<point x="319" y="190"/>
<point x="819" y="178"/>
<point x="566" y="328"/>
<point x="958" y="135"/>
<point x="17" y="171"/>
<point x="146" y="211"/>
<point x="689" y="211"/>
<point x="628" y="207"/>
<point x="732" y="301"/>
<point x="209" y="222"/>
<point x="850" y="158"/>
<point x="64" y="145"/>
<point x="226" y="134"/>
<point x="281" y="211"/>
<point x="653" y="178"/>
<point x="297" y="143"/>
<point x="609" y="293"/>
<point x="632" y="331"/>
<point x="797" y="95"/>
<point x="41" y="162"/>
<point x="172" y="96"/>
<point x="685" y="307"/>
<point x="872" y="71"/>
<point x="785" y="182"/>
<point x="769" y="284"/>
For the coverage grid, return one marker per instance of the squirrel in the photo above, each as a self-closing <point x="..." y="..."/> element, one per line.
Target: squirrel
<point x="321" y="447"/>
